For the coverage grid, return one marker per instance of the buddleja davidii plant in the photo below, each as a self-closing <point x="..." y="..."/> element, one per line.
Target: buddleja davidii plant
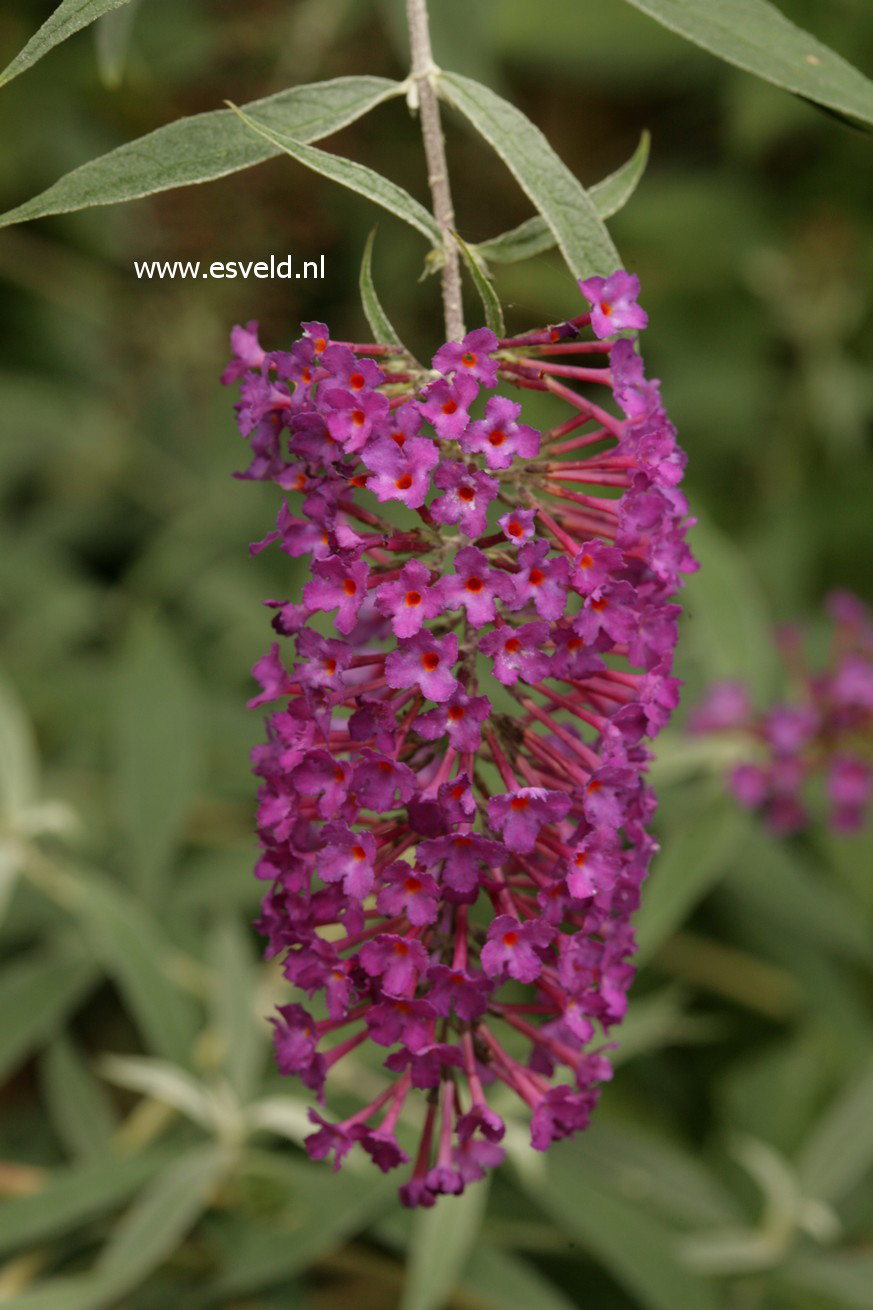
<point x="427" y="850"/>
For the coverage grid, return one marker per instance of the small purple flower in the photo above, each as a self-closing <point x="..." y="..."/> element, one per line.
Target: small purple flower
<point x="411" y="892"/>
<point x="401" y="472"/>
<point x="613" y="302"/>
<point x="409" y="600"/>
<point x="542" y="580"/>
<point x="348" y="857"/>
<point x="340" y="585"/>
<point x="516" y="652"/>
<point x="518" y="816"/>
<point x="460" y="717"/>
<point x="518" y="525"/>
<point x="469" y="358"/>
<point x="273" y="677"/>
<point x="467" y="497"/>
<point x="499" y="436"/>
<point x="355" y="418"/>
<point x="425" y="661"/>
<point x="396" y="961"/>
<point x="446" y="405"/>
<point x="475" y="586"/>
<point x="516" y="948"/>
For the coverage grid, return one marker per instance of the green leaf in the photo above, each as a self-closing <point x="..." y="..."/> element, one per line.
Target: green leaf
<point x="487" y="294"/>
<point x="696" y="852"/>
<point x="132" y="949"/>
<point x="234" y="1003"/>
<point x="160" y="1218"/>
<point x="779" y="887"/>
<point x="156" y="745"/>
<point x="496" y="1280"/>
<point x="69" y="17"/>
<point x="36" y="994"/>
<point x="320" y="1212"/>
<point x="658" y="1170"/>
<point x="380" y="324"/>
<point x="561" y="200"/>
<point x="150" y="1232"/>
<point x="754" y="35"/>
<point x="19" y="768"/>
<point x="843" y="1277"/>
<point x="112" y="38"/>
<point x="206" y="146"/>
<point x="441" y="1242"/>
<point x="838" y="1153"/>
<point x="727" y="627"/>
<point x="637" y="1249"/>
<point x="78" y="1107"/>
<point x="356" y="177"/>
<point x="534" y="235"/>
<point x="74" y="1196"/>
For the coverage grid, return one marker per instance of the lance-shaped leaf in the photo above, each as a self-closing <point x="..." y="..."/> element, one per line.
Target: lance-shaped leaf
<point x="482" y="283"/>
<point x="356" y="177"/>
<point x="561" y="200"/>
<point x="754" y="35"/>
<point x="207" y="146"/>
<point x="441" y="1243"/>
<point x="380" y="324"/>
<point x="68" y="18"/>
<point x="534" y="235"/>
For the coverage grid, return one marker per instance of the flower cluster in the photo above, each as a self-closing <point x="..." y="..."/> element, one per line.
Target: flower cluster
<point x="453" y="810"/>
<point x="826" y="730"/>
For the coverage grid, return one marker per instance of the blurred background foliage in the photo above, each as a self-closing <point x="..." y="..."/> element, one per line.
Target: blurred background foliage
<point x="149" y="1155"/>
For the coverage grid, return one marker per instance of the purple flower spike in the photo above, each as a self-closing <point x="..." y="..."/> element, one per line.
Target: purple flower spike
<point x="613" y="302"/>
<point x="426" y="662"/>
<point x="468" y="936"/>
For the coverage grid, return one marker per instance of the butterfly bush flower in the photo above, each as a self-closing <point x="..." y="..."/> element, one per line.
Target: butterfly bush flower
<point x="826" y="733"/>
<point x="453" y="808"/>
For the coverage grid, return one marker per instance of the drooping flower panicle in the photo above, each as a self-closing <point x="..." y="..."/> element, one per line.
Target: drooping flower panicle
<point x="825" y="733"/>
<point x="452" y="796"/>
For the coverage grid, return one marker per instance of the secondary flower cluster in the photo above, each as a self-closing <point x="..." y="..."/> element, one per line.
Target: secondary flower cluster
<point x="826" y="730"/>
<point x="452" y="800"/>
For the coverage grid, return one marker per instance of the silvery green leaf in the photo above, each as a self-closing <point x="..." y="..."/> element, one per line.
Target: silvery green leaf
<point x="356" y="177"/>
<point x="482" y="283"/>
<point x="207" y="146"/>
<point x="534" y="236"/>
<point x="380" y="324"/>
<point x="756" y="36"/>
<point x="561" y="200"/>
<point x="69" y="17"/>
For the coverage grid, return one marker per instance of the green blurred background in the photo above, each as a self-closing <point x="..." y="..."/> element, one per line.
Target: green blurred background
<point x="729" y="1165"/>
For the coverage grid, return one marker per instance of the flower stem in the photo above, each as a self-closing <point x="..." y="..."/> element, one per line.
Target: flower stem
<point x="422" y="72"/>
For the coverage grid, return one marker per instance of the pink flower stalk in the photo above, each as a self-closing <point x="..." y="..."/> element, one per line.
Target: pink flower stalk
<point x="453" y="875"/>
<point x="826" y="732"/>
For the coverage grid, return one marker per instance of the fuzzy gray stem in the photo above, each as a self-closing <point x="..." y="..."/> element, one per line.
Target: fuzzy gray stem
<point x="437" y="169"/>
